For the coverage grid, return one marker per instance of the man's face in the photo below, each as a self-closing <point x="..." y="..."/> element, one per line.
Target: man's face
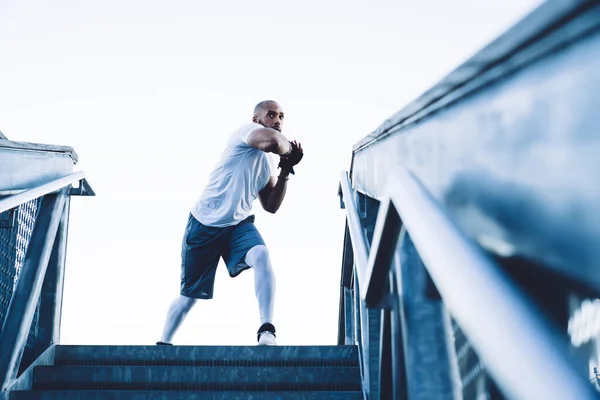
<point x="270" y="116"/>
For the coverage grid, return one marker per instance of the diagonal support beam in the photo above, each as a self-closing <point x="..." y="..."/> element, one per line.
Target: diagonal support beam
<point x="383" y="248"/>
<point x="29" y="285"/>
<point x="372" y="266"/>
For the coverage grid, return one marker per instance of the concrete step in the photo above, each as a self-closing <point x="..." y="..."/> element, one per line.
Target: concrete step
<point x="174" y="395"/>
<point x="216" y="356"/>
<point x="197" y="378"/>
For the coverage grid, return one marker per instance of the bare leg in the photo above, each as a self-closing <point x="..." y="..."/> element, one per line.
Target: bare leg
<point x="175" y="316"/>
<point x="264" y="281"/>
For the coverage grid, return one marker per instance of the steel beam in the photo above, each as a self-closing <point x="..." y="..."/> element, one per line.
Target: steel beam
<point x="52" y="289"/>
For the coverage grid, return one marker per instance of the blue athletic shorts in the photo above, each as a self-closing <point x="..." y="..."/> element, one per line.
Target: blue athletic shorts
<point x="203" y="245"/>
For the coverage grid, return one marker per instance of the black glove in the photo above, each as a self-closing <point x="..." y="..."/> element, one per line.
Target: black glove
<point x="287" y="162"/>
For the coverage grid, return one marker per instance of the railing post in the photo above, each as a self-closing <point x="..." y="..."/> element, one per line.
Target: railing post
<point x="386" y="385"/>
<point x="348" y="311"/>
<point x="52" y="289"/>
<point x="346" y="321"/>
<point x="400" y="392"/>
<point x="362" y="338"/>
<point x="23" y="303"/>
<point x="431" y="369"/>
<point x="368" y="211"/>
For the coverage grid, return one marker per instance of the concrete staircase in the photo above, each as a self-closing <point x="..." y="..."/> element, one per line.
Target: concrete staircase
<point x="193" y="372"/>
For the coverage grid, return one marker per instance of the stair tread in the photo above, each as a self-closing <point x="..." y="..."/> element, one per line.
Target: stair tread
<point x="181" y="395"/>
<point x="206" y="355"/>
<point x="212" y="378"/>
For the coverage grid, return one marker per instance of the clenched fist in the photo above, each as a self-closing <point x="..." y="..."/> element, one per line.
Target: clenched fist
<point x="288" y="162"/>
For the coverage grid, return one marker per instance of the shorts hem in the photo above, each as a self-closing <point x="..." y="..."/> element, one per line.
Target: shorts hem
<point x="195" y="296"/>
<point x="240" y="271"/>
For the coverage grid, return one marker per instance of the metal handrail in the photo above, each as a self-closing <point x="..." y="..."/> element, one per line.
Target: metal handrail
<point x="359" y="242"/>
<point x="526" y="356"/>
<point x="16" y="200"/>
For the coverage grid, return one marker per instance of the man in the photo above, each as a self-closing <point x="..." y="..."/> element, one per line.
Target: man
<point x="221" y="223"/>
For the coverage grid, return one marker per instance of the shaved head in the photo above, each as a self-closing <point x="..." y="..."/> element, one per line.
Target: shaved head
<point x="269" y="114"/>
<point x="263" y="105"/>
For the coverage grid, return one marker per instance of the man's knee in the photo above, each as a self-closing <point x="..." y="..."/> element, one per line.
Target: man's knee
<point x="258" y="255"/>
<point x="186" y="303"/>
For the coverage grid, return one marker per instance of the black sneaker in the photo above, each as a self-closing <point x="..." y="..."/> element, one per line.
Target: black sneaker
<point x="163" y="344"/>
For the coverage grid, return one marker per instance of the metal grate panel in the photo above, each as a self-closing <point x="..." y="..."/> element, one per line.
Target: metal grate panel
<point x="15" y="234"/>
<point x="476" y="383"/>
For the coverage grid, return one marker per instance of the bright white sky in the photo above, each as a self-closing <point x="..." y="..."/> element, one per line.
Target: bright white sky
<point x="147" y="93"/>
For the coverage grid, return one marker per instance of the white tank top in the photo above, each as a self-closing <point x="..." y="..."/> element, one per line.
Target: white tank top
<point x="241" y="172"/>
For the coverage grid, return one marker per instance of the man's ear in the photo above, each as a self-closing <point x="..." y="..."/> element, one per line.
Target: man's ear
<point x="254" y="119"/>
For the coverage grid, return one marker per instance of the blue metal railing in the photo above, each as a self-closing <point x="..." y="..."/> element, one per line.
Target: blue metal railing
<point x="526" y="357"/>
<point x="48" y="241"/>
<point x="471" y="243"/>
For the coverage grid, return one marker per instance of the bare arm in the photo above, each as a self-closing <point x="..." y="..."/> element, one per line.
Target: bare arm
<point x="270" y="141"/>
<point x="272" y="195"/>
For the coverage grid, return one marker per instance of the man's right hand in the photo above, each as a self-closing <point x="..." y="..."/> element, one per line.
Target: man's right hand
<point x="288" y="162"/>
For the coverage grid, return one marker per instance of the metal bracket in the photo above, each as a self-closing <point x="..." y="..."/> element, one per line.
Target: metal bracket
<point x="9" y="223"/>
<point x="341" y="196"/>
<point x="84" y="189"/>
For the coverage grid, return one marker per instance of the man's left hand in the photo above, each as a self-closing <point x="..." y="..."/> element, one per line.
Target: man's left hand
<point x="288" y="162"/>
